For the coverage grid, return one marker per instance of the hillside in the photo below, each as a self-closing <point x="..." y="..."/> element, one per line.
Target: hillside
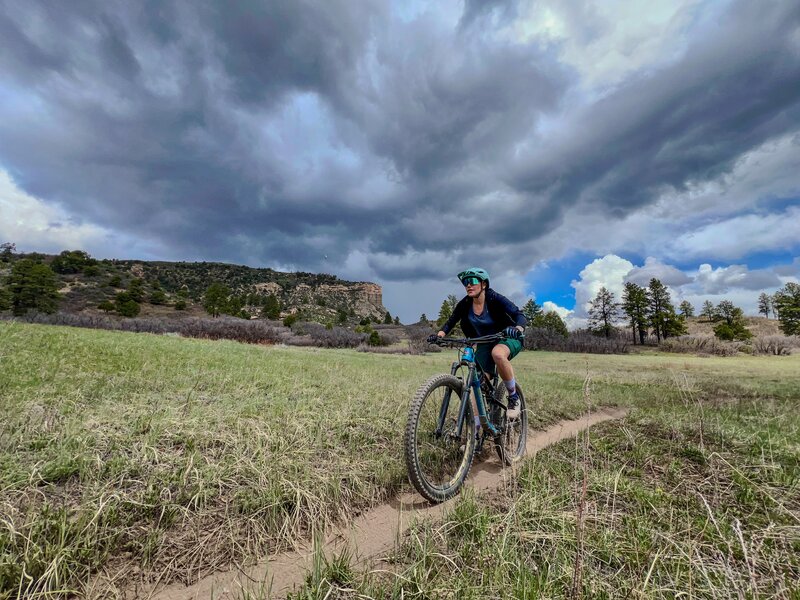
<point x="759" y="326"/>
<point x="85" y="283"/>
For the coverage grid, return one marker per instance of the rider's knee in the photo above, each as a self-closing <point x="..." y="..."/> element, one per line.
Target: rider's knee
<point x="498" y="354"/>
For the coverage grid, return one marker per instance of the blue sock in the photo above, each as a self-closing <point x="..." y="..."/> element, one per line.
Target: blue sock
<point x="511" y="386"/>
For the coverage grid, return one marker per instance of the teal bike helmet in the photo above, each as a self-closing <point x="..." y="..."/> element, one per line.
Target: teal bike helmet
<point x="474" y="272"/>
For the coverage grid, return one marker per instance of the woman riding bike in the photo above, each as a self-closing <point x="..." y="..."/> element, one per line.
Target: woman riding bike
<point x="485" y="312"/>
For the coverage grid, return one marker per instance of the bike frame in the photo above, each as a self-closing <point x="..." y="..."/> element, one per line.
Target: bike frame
<point x="473" y="383"/>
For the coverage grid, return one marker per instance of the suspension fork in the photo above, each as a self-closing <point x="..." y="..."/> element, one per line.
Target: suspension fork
<point x="474" y="386"/>
<point x="446" y="404"/>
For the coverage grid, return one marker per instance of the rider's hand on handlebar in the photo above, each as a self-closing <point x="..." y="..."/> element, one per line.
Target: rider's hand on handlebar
<point x="514" y="333"/>
<point x="434" y="337"/>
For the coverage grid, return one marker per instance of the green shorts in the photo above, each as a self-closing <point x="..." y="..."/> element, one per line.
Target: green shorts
<point x="483" y="354"/>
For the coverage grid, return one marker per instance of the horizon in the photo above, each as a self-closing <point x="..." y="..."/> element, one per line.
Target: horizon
<point x="563" y="147"/>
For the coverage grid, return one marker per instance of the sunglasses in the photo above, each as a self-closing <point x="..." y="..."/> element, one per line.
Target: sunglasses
<point x="470" y="281"/>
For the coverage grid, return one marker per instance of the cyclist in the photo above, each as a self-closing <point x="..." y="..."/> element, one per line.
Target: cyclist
<point x="485" y="312"/>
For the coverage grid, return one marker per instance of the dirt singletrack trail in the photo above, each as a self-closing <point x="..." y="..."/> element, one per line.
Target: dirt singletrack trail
<point x="368" y="536"/>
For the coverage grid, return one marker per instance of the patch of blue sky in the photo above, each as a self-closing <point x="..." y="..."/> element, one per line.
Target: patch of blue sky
<point x="550" y="280"/>
<point x="779" y="204"/>
<point x="767" y="260"/>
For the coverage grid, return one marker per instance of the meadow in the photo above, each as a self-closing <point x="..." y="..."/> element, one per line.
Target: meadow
<point x="128" y="457"/>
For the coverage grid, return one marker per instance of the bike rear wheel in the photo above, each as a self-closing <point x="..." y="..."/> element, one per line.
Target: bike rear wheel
<point x="512" y="441"/>
<point x="438" y="463"/>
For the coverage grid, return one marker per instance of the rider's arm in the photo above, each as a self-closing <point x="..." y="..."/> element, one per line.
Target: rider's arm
<point x="458" y="313"/>
<point x="511" y="309"/>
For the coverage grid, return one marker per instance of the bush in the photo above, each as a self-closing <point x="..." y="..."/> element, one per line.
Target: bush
<point x="33" y="286"/>
<point x="128" y="308"/>
<point x="538" y="338"/>
<point x="315" y="334"/>
<point x="180" y="305"/>
<point x="228" y="328"/>
<point x="289" y="320"/>
<point x="72" y="261"/>
<point x="699" y="344"/>
<point x="729" y="332"/>
<point x="776" y="345"/>
<point x="5" y="299"/>
<point x="384" y="350"/>
<point x="417" y="336"/>
<point x="106" y="306"/>
<point x="389" y="337"/>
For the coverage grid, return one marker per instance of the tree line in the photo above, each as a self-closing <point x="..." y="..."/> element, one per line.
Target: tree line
<point x="650" y="311"/>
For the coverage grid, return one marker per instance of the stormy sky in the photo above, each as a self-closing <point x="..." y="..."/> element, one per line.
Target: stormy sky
<point x="561" y="144"/>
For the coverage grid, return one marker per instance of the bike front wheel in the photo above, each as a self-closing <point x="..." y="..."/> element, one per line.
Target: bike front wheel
<point x="512" y="440"/>
<point x="439" y="459"/>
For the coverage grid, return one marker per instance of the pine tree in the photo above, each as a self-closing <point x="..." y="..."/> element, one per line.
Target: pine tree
<point x="726" y="310"/>
<point x="72" y="261"/>
<point x="272" y="309"/>
<point x="603" y="312"/>
<point x="787" y="306"/>
<point x="661" y="310"/>
<point x="423" y="318"/>
<point x="709" y="312"/>
<point x="635" y="306"/>
<point x="686" y="308"/>
<point x="764" y="304"/>
<point x="5" y="299"/>
<point x="6" y="251"/>
<point x="136" y="290"/>
<point x="531" y="310"/>
<point x="33" y="286"/>
<point x="387" y="320"/>
<point x="444" y="313"/>
<point x="731" y="325"/>
<point x="215" y="300"/>
<point x="551" y="322"/>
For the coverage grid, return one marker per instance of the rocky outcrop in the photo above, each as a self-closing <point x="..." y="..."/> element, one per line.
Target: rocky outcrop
<point x="363" y="298"/>
<point x="315" y="296"/>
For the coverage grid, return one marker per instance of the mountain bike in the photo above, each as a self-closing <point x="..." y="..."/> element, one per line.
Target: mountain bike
<point x="440" y="438"/>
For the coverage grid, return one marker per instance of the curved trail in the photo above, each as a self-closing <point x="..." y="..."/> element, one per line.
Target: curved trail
<point x="369" y="535"/>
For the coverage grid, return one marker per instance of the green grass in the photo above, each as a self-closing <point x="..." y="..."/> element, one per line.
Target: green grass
<point x="178" y="456"/>
<point x="662" y="515"/>
<point x="698" y="495"/>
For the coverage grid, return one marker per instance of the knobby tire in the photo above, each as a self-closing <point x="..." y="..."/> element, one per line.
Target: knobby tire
<point x="511" y="444"/>
<point x="421" y="447"/>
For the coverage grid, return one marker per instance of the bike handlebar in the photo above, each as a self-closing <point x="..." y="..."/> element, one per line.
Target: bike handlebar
<point x="445" y="341"/>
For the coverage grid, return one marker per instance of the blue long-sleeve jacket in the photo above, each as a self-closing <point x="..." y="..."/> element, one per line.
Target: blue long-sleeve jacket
<point x="503" y="312"/>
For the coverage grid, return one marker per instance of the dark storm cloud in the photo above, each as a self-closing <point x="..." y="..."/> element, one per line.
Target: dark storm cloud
<point x="270" y="48"/>
<point x="734" y="89"/>
<point x="284" y="132"/>
<point x="477" y="10"/>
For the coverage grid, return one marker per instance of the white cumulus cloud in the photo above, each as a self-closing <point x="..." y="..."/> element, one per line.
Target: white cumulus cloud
<point x="609" y="272"/>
